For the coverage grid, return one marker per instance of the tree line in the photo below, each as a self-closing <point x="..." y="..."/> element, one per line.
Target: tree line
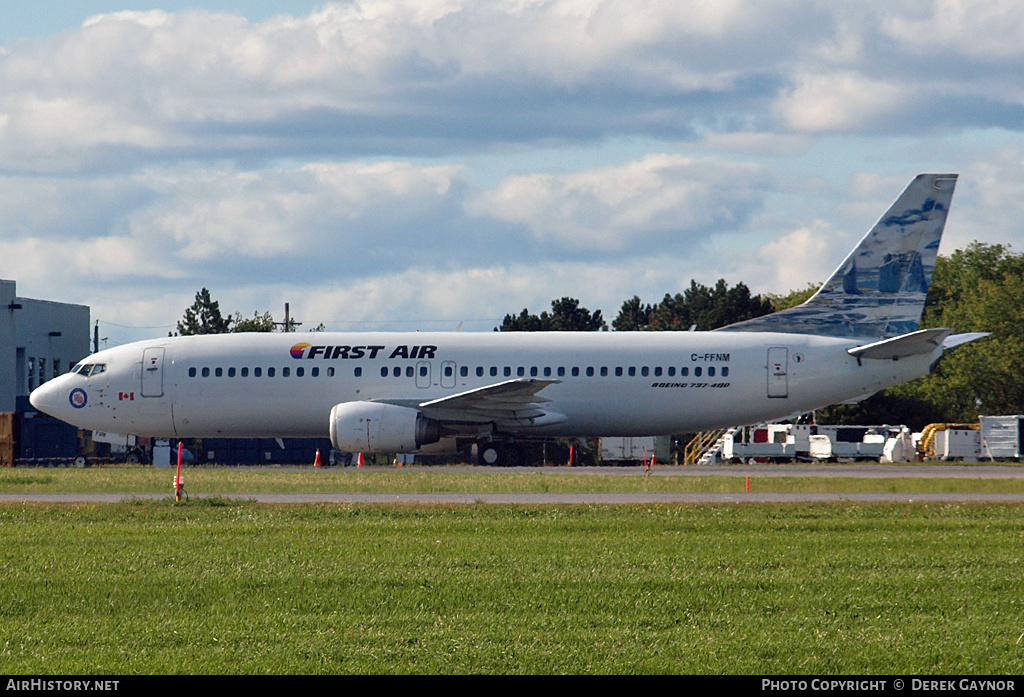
<point x="700" y="307"/>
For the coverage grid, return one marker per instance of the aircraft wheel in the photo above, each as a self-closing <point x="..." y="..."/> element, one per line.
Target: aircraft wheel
<point x="135" y="456"/>
<point x="490" y="455"/>
<point x="499" y="454"/>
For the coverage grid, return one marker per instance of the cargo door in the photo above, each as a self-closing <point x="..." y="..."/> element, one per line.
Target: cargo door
<point x="778" y="372"/>
<point x="153" y="372"/>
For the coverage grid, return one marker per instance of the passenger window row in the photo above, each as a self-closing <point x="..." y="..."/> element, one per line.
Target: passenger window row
<point x="259" y="372"/>
<point x="561" y="371"/>
<point x="591" y="371"/>
<point x="480" y="371"/>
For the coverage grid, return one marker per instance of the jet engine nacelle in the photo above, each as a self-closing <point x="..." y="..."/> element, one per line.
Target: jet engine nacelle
<point x="369" y="427"/>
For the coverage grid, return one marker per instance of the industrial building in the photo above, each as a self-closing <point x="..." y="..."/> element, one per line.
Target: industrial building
<point x="39" y="340"/>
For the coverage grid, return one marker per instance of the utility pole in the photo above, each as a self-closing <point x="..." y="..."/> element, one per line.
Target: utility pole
<point x="288" y="324"/>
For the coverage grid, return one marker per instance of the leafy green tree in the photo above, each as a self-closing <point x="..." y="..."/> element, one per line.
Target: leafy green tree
<point x="566" y="316"/>
<point x="793" y="297"/>
<point x="977" y="289"/>
<point x="257" y="323"/>
<point x="634" y="316"/>
<point x="204" y="317"/>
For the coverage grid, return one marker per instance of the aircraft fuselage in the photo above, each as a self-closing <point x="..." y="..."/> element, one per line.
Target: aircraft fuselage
<point x="600" y="384"/>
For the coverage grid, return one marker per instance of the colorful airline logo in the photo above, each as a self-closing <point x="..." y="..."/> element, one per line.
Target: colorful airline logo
<point x="78" y="398"/>
<point x="299" y="349"/>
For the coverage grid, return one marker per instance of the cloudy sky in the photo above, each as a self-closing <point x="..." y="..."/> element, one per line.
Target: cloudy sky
<point x="416" y="164"/>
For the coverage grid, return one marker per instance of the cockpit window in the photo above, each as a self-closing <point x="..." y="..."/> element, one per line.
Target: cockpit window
<point x="87" y="369"/>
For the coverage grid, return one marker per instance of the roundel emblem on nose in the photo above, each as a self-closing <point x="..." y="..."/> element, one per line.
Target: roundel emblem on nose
<point x="78" y="398"/>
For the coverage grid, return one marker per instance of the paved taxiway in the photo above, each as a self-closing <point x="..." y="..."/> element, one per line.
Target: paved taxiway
<point x="752" y="471"/>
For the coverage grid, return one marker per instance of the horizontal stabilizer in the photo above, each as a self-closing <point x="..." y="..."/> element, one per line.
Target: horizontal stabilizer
<point x="913" y="344"/>
<point x="957" y="339"/>
<point x="858" y="399"/>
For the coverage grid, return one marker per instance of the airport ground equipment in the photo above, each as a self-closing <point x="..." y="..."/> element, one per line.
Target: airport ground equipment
<point x="808" y="442"/>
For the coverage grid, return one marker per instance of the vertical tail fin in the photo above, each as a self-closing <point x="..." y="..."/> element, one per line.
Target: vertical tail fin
<point x="879" y="290"/>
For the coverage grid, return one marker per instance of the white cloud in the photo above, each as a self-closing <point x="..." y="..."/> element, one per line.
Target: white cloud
<point x="759" y="144"/>
<point x="989" y="202"/>
<point x="625" y="206"/>
<point x="985" y="29"/>
<point x="167" y="226"/>
<point x="846" y="101"/>
<point x="805" y="255"/>
<point x="98" y="260"/>
<point x="280" y="212"/>
<point x="408" y="76"/>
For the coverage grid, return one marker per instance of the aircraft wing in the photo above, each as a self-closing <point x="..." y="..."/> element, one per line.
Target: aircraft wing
<point x="509" y="403"/>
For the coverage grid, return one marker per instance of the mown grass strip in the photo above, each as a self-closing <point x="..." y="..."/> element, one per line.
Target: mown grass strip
<point x="397" y="480"/>
<point x="236" y="587"/>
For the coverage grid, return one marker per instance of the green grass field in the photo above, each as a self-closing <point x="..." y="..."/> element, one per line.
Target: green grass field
<point x="224" y="586"/>
<point x="401" y="480"/>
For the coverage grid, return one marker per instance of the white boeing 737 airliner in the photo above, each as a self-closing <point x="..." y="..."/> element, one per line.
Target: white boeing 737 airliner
<point x="396" y="392"/>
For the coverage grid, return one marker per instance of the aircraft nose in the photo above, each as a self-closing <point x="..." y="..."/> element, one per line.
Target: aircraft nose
<point x="50" y="397"/>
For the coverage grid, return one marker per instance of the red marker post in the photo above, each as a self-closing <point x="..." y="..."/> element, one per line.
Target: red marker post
<point x="179" y="486"/>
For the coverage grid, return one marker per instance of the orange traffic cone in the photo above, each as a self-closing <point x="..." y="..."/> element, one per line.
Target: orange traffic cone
<point x="316" y="460"/>
<point x="359" y="460"/>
